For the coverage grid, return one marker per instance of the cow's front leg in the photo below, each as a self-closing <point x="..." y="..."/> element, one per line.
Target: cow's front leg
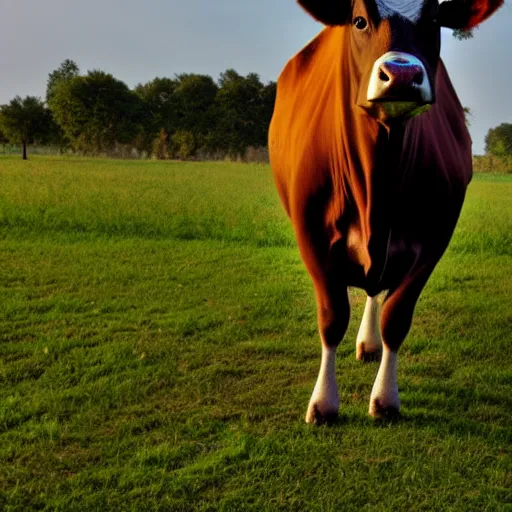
<point x="396" y="319"/>
<point x="333" y="316"/>
<point x="384" y="401"/>
<point x="369" y="340"/>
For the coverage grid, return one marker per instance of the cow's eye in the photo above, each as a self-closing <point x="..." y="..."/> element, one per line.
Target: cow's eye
<point x="360" y="23"/>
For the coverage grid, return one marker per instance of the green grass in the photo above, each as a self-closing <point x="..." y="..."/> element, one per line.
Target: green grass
<point x="158" y="347"/>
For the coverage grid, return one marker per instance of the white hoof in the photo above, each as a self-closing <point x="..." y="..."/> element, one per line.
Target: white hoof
<point x="324" y="403"/>
<point x="321" y="413"/>
<point x="368" y="351"/>
<point x="384" y="401"/>
<point x="379" y="409"/>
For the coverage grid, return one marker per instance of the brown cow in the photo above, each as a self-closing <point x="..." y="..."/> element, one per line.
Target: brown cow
<point x="371" y="177"/>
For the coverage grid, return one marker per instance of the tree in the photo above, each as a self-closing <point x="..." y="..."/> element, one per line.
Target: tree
<point x="158" y="96"/>
<point x="96" y="111"/>
<point x="243" y="109"/>
<point x="3" y="138"/>
<point x="191" y="113"/>
<point x="66" y="71"/>
<point x="468" y="113"/>
<point x="268" y="98"/>
<point x="462" y="35"/>
<point x="498" y="141"/>
<point x="24" y="121"/>
<point x="194" y="100"/>
<point x="159" y="118"/>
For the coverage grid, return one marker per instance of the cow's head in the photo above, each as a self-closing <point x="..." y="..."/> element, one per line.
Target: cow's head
<point x="394" y="46"/>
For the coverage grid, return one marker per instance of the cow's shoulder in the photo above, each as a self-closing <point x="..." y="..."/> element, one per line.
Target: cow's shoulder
<point x="306" y="61"/>
<point x="300" y="132"/>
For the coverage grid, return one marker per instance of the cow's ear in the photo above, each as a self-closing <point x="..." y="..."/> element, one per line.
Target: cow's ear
<point x="328" y="12"/>
<point x="466" y="14"/>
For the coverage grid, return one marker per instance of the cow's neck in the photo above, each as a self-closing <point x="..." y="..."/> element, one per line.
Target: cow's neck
<point x="365" y="170"/>
<point x="374" y="184"/>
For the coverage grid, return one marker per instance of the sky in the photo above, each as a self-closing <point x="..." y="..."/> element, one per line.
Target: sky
<point x="137" y="41"/>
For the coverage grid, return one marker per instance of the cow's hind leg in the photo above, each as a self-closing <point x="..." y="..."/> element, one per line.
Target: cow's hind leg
<point x="369" y="340"/>
<point x="333" y="316"/>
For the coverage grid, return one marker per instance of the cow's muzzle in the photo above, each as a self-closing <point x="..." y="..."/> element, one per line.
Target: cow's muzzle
<point x="399" y="82"/>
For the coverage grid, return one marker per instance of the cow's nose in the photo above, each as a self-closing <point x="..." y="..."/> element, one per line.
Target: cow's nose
<point x="400" y="73"/>
<point x="399" y="76"/>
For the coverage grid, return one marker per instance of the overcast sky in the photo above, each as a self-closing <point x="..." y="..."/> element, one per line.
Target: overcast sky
<point x="139" y="40"/>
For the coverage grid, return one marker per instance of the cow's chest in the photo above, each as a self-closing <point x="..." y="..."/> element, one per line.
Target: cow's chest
<point x="378" y="262"/>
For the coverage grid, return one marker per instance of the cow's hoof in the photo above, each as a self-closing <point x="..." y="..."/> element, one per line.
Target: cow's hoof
<point x="379" y="411"/>
<point x="318" y="415"/>
<point x="368" y="352"/>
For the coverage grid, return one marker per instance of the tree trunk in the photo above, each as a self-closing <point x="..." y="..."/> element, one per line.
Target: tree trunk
<point x="24" y="150"/>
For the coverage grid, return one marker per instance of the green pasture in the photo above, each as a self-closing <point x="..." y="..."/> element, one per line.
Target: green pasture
<point x="158" y="347"/>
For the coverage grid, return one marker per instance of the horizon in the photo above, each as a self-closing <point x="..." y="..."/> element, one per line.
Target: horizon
<point x="205" y="39"/>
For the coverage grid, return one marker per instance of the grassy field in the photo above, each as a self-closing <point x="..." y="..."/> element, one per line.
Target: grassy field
<point x="158" y="347"/>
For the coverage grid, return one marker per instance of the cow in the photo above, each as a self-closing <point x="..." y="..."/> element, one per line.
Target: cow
<point x="371" y="158"/>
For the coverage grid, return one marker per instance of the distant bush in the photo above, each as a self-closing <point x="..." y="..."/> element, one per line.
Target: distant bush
<point x="183" y="144"/>
<point x="160" y="147"/>
<point x="257" y="155"/>
<point x="498" y="141"/>
<point x="491" y="163"/>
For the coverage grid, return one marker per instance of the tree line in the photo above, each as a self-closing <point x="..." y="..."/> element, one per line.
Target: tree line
<point x="182" y="117"/>
<point x="190" y="115"/>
